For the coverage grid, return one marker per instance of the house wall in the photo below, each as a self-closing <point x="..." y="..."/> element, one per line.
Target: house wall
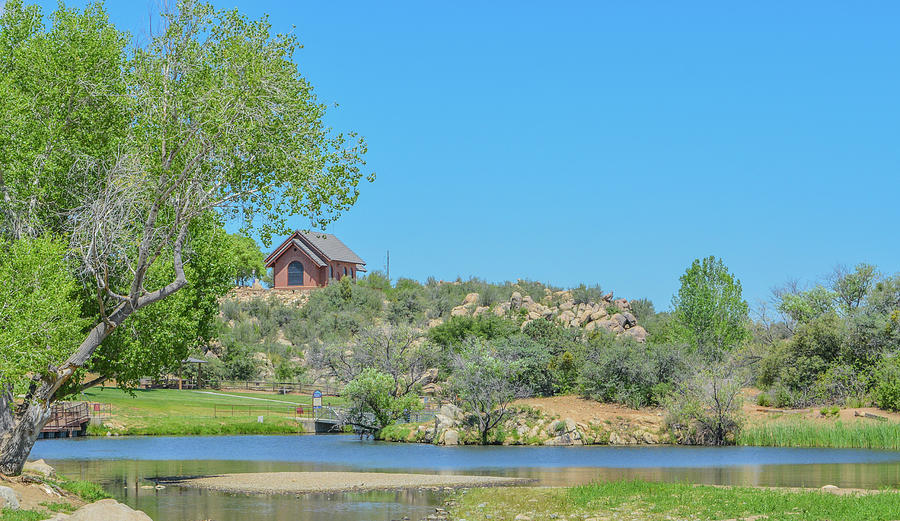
<point x="313" y="276"/>
<point x="339" y="269"/>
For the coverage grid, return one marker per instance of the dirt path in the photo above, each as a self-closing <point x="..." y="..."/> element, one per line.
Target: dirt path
<point x="306" y="482"/>
<point x="583" y="411"/>
<point x="248" y="397"/>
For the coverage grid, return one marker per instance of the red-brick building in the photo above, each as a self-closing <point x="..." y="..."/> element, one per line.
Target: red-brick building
<point x="311" y="260"/>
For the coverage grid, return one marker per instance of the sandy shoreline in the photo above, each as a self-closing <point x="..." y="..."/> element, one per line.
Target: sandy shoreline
<point x="309" y="482"/>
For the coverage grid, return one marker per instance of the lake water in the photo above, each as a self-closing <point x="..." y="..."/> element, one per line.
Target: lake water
<point x="124" y="465"/>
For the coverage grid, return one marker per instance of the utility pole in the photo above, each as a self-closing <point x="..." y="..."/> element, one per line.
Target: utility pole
<point x="389" y="265"/>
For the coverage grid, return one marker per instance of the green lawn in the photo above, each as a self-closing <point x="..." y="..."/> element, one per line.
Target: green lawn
<point x="651" y="501"/>
<point x="187" y="412"/>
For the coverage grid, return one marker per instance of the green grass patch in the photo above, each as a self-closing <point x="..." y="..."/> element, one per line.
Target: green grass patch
<point x="86" y="490"/>
<point x="171" y="412"/>
<point x="60" y="506"/>
<point x="396" y="432"/>
<point x="23" y="515"/>
<point x="857" y="435"/>
<point x="653" y="501"/>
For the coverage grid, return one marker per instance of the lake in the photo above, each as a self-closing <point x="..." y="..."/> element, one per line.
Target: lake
<point x="128" y="466"/>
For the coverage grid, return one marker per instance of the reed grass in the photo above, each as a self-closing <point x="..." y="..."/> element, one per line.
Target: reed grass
<point x="857" y="435"/>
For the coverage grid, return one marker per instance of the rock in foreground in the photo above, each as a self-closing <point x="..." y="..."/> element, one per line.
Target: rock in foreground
<point x="104" y="510"/>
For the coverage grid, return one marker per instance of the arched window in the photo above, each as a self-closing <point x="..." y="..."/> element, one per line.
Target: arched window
<point x="345" y="271"/>
<point x="295" y="274"/>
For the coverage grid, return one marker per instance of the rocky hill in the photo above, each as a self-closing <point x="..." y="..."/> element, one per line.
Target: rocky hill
<point x="609" y="314"/>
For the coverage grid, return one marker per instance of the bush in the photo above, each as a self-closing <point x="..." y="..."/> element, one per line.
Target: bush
<point x="887" y="384"/>
<point x="838" y="384"/>
<point x="239" y="363"/>
<point x="763" y="400"/>
<point x="458" y="329"/>
<point x="642" y="309"/>
<point x="585" y="294"/>
<point x="628" y="372"/>
<point x="706" y="408"/>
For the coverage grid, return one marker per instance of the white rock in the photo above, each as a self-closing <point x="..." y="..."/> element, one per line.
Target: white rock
<point x="451" y="437"/>
<point x="8" y="498"/>
<point x="39" y="467"/>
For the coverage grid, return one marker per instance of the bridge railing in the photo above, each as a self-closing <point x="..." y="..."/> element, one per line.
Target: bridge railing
<point x="67" y="416"/>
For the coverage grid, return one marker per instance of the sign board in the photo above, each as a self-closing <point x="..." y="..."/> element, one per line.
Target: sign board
<point x="317" y="399"/>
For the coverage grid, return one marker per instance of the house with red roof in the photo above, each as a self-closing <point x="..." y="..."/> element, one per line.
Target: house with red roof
<point x="311" y="260"/>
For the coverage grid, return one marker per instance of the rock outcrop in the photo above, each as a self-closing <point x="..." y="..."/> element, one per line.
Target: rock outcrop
<point x="39" y="467"/>
<point x="614" y="316"/>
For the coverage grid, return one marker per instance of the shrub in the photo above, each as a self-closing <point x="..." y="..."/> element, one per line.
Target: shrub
<point x="838" y="384"/>
<point x="585" y="294"/>
<point x="706" y="408"/>
<point x="628" y="372"/>
<point x="763" y="400"/>
<point x="642" y="309"/>
<point x="457" y="329"/>
<point x="830" y="412"/>
<point x="887" y="384"/>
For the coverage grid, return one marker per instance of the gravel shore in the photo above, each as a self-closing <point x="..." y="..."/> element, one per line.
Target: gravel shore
<point x="307" y="482"/>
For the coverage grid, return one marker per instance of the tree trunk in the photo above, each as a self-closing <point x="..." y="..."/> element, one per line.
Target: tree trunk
<point x="16" y="442"/>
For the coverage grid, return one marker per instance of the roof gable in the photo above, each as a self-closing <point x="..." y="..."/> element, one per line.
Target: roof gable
<point x="331" y="247"/>
<point x="318" y="246"/>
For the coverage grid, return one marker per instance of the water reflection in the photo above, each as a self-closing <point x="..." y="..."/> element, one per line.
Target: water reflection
<point x="127" y="468"/>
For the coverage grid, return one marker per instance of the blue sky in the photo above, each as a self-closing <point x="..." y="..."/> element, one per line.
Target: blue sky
<point x="609" y="142"/>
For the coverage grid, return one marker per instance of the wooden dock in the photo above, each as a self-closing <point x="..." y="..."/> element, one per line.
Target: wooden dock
<point x="68" y="419"/>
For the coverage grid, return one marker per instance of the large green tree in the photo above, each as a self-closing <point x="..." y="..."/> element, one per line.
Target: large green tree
<point x="130" y="158"/>
<point x="709" y="310"/>
<point x="247" y="258"/>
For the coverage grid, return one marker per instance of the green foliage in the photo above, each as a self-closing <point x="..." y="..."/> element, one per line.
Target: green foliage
<point x="39" y="309"/>
<point x="852" y="287"/>
<point x="407" y="305"/>
<point x="375" y="280"/>
<point x="246" y="257"/>
<point x="288" y="371"/>
<point x="705" y="409"/>
<point x="532" y="360"/>
<point x="487" y="327"/>
<point x="487" y="378"/>
<point x="239" y="363"/>
<point x="653" y="500"/>
<point x="808" y="305"/>
<point x="22" y="515"/>
<point x="329" y="315"/>
<point x="86" y="490"/>
<point x="631" y="373"/>
<point x="63" y="92"/>
<point x="830" y="412"/>
<point x="887" y="387"/>
<point x="60" y="506"/>
<point x="583" y="294"/>
<point x="710" y="310"/>
<point x="763" y="400"/>
<point x="373" y="402"/>
<point x="161" y="335"/>
<point x="642" y="309"/>
<point x="856" y="435"/>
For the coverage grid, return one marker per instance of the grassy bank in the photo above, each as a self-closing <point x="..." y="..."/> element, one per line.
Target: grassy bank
<point x="84" y="490"/>
<point x="804" y="433"/>
<point x="172" y="412"/>
<point x="649" y="501"/>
